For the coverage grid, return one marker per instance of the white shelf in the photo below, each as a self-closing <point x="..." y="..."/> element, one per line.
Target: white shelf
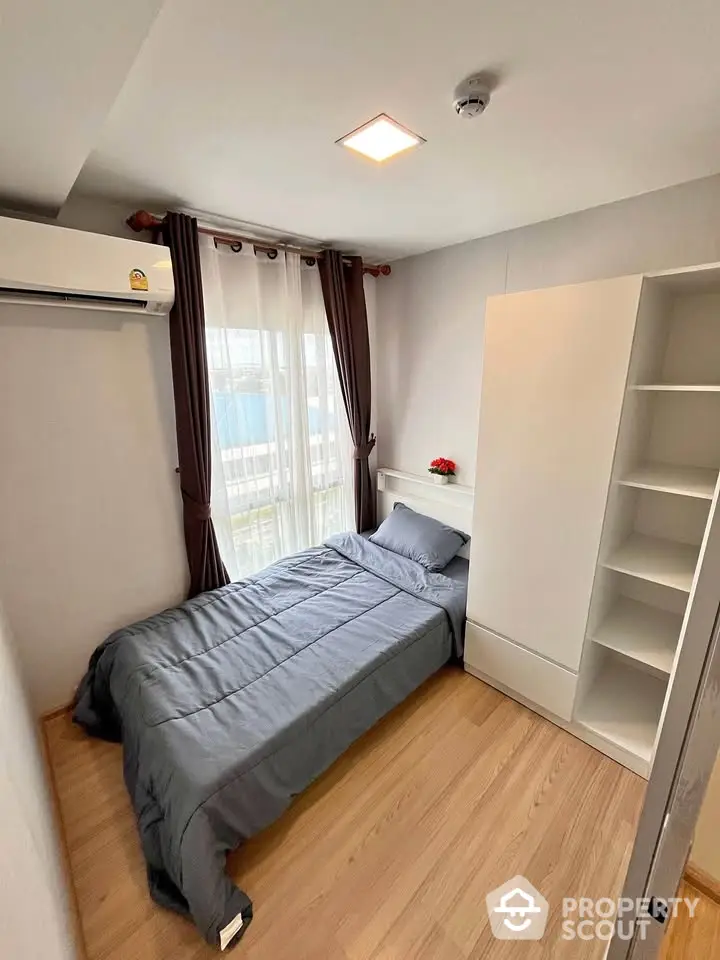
<point x="623" y="705"/>
<point x="670" y="478"/>
<point x="684" y="387"/>
<point x="646" y="634"/>
<point x="699" y="278"/>
<point x="661" y="561"/>
<point x="426" y="481"/>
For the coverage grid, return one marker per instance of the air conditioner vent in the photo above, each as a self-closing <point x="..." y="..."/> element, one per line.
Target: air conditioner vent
<point x="71" y="299"/>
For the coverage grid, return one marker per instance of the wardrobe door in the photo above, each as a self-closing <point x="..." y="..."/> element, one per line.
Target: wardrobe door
<point x="554" y="372"/>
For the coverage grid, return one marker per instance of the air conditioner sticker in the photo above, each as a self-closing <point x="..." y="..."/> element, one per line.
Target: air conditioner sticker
<point x="138" y="280"/>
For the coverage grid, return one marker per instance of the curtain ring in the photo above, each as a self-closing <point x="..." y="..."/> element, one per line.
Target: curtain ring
<point x="236" y="247"/>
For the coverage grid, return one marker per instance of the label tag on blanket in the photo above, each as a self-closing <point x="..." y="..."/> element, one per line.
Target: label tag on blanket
<point x="228" y="932"/>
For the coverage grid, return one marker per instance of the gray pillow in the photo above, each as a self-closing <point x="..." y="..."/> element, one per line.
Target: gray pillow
<point x="419" y="538"/>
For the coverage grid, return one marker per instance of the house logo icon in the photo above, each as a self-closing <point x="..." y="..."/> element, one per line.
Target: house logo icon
<point x="517" y="911"/>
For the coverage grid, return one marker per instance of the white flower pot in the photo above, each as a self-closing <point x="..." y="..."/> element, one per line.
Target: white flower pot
<point x="440" y="477"/>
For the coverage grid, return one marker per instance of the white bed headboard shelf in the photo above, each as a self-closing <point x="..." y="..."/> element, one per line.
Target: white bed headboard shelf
<point x="447" y="489"/>
<point x="450" y="503"/>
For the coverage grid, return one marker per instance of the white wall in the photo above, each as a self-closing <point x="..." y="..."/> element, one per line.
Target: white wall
<point x="34" y="919"/>
<point x="90" y="517"/>
<point x="431" y="309"/>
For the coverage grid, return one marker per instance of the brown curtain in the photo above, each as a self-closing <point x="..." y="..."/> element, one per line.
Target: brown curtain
<point x="192" y="404"/>
<point x="342" y="286"/>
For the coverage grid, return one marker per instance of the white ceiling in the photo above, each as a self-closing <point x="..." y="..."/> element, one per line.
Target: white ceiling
<point x="62" y="64"/>
<point x="234" y="108"/>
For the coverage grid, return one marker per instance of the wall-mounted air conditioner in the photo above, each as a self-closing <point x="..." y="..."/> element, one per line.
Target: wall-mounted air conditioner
<point x="42" y="263"/>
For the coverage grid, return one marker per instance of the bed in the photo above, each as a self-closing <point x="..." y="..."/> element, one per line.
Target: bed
<point x="232" y="703"/>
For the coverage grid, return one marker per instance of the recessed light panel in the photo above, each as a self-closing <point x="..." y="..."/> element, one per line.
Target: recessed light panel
<point x="381" y="138"/>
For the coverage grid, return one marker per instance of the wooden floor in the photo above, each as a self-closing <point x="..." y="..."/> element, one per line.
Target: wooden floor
<point x="390" y="854"/>
<point x="697" y="937"/>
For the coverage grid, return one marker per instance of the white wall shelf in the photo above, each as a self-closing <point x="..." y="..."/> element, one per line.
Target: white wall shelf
<point x="660" y="561"/>
<point x="643" y="633"/>
<point x="623" y="705"/>
<point x="427" y="480"/>
<point x="670" y="478"/>
<point x="679" y="387"/>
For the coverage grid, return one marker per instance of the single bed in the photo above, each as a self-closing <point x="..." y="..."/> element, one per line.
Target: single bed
<point x="232" y="703"/>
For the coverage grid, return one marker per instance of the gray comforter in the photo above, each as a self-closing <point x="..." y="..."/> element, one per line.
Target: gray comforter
<point x="231" y="704"/>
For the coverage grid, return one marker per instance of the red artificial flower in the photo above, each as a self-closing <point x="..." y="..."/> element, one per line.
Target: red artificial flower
<point x="442" y="465"/>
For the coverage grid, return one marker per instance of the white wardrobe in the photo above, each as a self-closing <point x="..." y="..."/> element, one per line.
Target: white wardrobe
<point x="597" y="469"/>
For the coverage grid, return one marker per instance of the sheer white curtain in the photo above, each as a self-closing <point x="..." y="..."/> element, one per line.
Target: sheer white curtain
<point x="281" y="468"/>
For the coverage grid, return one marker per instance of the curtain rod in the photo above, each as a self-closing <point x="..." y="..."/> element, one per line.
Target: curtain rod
<point x="142" y="220"/>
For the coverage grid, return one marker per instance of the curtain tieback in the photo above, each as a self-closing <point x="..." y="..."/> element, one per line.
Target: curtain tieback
<point x="363" y="450"/>
<point x="196" y="510"/>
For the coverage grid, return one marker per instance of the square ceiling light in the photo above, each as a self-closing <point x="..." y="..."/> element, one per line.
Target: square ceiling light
<point x="381" y="138"/>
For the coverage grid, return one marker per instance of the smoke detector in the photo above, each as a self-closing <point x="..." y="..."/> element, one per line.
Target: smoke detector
<point x="472" y="96"/>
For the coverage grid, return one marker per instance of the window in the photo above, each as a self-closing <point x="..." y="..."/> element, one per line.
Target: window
<point x="281" y="446"/>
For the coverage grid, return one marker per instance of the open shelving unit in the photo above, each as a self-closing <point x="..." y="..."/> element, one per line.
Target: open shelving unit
<point x="660" y="561"/>
<point x="645" y="634"/>
<point x="665" y="482"/>
<point x="623" y="705"/>
<point x="673" y="478"/>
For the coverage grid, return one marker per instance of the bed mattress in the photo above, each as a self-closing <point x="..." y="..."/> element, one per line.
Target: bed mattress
<point x="232" y="703"/>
